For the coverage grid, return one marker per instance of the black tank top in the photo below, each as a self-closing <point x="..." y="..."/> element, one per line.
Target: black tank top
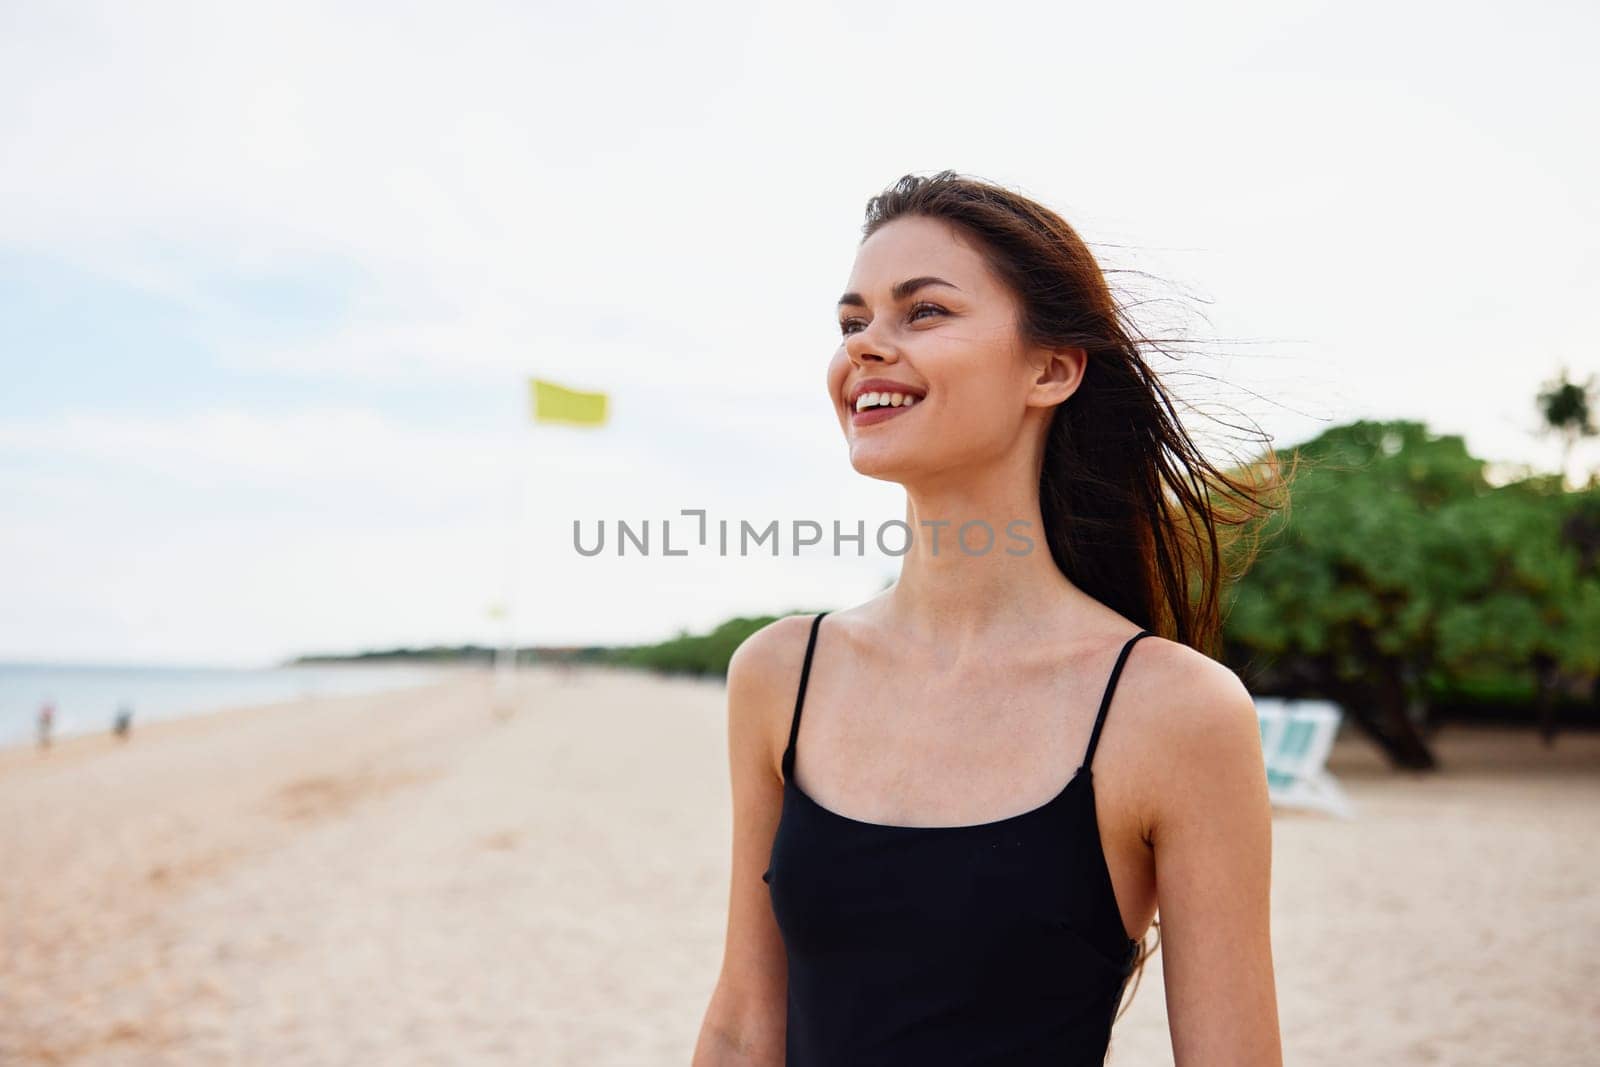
<point x="988" y="943"/>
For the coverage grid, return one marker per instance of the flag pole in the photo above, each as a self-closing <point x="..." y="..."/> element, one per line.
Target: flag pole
<point x="519" y="551"/>
<point x="560" y="405"/>
<point x="505" y="657"/>
<point x="508" y="649"/>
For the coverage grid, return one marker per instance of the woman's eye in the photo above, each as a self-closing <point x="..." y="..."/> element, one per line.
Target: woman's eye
<point x="916" y="313"/>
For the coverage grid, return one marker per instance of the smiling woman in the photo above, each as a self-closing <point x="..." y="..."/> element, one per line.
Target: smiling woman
<point x="987" y="897"/>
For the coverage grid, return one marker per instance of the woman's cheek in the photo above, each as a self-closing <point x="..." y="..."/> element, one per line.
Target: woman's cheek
<point x="838" y="369"/>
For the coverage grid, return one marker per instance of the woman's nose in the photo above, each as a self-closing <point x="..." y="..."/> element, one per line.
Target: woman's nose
<point x="864" y="346"/>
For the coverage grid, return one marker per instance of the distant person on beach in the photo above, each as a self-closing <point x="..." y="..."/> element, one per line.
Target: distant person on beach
<point x="123" y="723"/>
<point x="952" y="876"/>
<point x="47" y="722"/>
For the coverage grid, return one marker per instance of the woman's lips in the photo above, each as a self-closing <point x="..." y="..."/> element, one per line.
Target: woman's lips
<point x="874" y="415"/>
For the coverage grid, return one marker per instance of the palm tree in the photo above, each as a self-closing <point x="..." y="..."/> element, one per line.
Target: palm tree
<point x="1568" y="410"/>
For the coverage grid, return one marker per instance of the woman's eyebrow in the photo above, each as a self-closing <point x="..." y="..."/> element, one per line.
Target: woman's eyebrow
<point x="900" y="291"/>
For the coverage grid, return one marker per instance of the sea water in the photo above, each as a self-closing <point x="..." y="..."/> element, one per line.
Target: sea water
<point x="87" y="697"/>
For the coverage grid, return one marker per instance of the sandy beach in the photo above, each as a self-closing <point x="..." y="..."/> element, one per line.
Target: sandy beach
<point x="410" y="878"/>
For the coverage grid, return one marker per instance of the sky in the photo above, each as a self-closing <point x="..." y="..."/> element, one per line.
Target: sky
<point x="273" y="279"/>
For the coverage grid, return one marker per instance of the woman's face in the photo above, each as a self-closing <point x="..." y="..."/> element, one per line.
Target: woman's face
<point x="923" y="312"/>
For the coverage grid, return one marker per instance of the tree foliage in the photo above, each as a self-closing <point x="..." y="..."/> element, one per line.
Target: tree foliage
<point x="1399" y="571"/>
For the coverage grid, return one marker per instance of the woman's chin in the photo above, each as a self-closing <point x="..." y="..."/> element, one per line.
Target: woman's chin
<point x="889" y="465"/>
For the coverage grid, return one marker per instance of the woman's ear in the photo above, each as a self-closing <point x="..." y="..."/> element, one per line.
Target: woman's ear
<point x="1060" y="372"/>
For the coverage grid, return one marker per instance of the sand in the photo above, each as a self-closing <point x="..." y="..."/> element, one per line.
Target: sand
<point x="410" y="878"/>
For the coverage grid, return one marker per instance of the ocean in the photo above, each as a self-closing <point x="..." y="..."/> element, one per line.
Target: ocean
<point x="87" y="697"/>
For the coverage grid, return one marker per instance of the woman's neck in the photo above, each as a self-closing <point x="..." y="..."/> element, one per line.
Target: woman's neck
<point x="978" y="567"/>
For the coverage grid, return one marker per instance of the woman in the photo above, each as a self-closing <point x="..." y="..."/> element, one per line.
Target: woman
<point x="965" y="838"/>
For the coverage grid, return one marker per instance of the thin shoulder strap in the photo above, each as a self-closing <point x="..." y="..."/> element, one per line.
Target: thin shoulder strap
<point x="800" y="699"/>
<point x="1105" y="701"/>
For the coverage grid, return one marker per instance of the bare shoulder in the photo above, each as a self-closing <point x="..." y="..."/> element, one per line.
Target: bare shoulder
<point x="1187" y="694"/>
<point x="1194" y="722"/>
<point x="764" y="674"/>
<point x="769" y="660"/>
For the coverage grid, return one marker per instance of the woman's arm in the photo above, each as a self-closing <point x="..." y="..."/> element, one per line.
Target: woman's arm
<point x="1212" y="841"/>
<point x="746" y="1021"/>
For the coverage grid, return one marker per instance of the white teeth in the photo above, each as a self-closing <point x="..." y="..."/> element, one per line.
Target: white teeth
<point x="897" y="400"/>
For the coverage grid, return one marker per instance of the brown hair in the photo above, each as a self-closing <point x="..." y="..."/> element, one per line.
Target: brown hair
<point x="1131" y="507"/>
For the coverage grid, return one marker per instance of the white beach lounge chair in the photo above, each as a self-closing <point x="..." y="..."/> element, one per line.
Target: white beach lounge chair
<point x="1296" y="736"/>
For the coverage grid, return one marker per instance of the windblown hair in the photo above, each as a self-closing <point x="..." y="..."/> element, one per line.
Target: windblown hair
<point x="1134" y="513"/>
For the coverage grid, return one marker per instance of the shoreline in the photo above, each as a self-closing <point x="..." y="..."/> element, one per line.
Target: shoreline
<point x="72" y="742"/>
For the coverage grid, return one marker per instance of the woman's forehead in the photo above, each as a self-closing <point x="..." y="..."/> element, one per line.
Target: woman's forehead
<point x="913" y="246"/>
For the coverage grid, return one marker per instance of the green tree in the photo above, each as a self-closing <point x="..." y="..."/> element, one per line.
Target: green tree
<point x="1399" y="569"/>
<point x="1567" y="408"/>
